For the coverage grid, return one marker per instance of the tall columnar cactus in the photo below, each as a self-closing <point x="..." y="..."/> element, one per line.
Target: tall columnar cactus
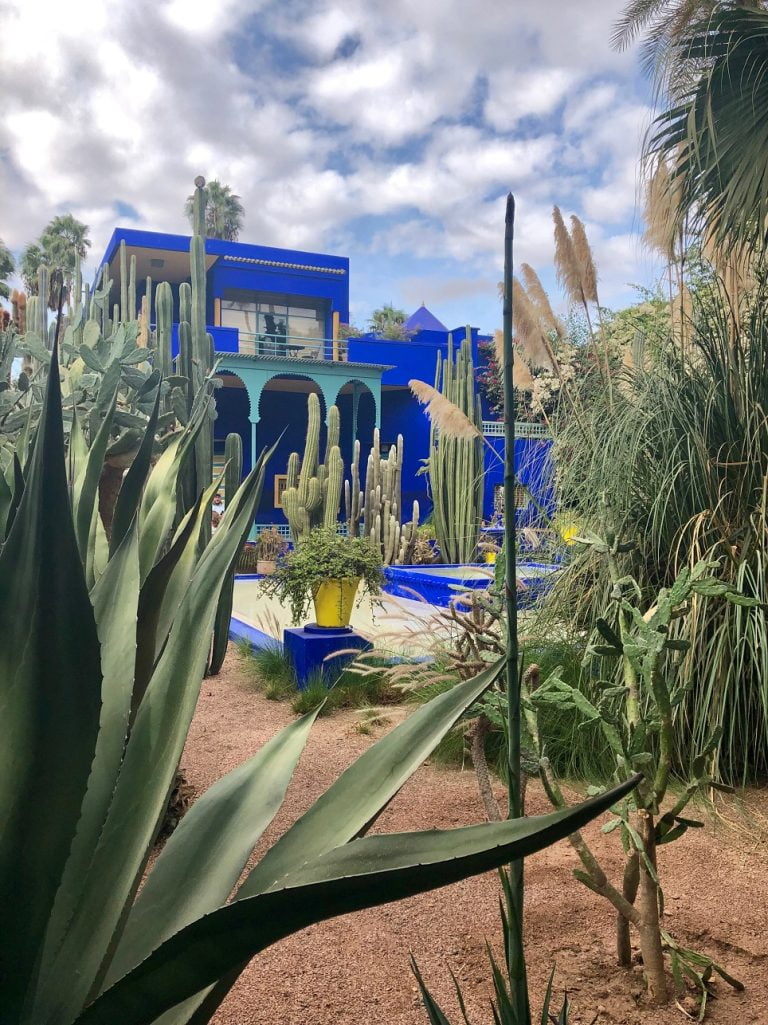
<point x="456" y="469"/>
<point x="164" y="320"/>
<point x="233" y="474"/>
<point x="313" y="489"/>
<point x="376" y="511"/>
<point x="196" y="357"/>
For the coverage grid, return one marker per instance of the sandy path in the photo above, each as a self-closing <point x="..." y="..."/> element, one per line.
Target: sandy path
<point x="354" y="970"/>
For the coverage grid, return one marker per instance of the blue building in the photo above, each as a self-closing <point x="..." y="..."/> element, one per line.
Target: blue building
<point x="277" y="318"/>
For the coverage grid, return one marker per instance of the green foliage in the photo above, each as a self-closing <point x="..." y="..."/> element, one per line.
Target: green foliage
<point x="389" y="322"/>
<point x="352" y="689"/>
<point x="455" y="465"/>
<point x="503" y="1002"/>
<point x="636" y="691"/>
<point x="681" y="454"/>
<point x="63" y="244"/>
<point x="223" y="212"/>
<point x="7" y="267"/>
<point x="714" y="135"/>
<point x="271" y="670"/>
<point x="97" y="706"/>
<point x="323" y="555"/>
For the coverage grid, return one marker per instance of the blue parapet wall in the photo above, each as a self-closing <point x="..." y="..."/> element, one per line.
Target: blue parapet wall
<point x="443" y="584"/>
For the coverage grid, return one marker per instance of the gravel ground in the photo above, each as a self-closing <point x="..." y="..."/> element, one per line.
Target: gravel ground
<point x="354" y="970"/>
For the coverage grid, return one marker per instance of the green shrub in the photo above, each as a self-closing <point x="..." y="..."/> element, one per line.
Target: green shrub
<point x="323" y="555"/>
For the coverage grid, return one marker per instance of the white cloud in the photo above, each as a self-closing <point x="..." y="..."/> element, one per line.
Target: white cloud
<point x="514" y="95"/>
<point x="320" y="113"/>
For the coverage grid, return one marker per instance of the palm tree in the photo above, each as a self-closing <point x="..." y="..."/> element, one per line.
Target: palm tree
<point x="714" y="137"/>
<point x="62" y="245"/>
<point x="7" y="267"/>
<point x="389" y="322"/>
<point x="223" y="212"/>
<point x="664" y="23"/>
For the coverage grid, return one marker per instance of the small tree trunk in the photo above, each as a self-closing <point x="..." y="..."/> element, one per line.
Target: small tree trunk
<point x="629" y="891"/>
<point x="477" y="752"/>
<point x="650" y="926"/>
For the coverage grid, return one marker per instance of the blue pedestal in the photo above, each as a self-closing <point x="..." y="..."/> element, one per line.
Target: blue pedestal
<point x="309" y="647"/>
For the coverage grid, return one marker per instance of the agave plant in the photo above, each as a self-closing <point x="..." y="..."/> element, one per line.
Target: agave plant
<point x="98" y="690"/>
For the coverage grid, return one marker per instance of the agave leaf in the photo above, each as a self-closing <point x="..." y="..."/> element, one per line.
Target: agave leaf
<point x="357" y="797"/>
<point x="150" y="639"/>
<point x="371" y="871"/>
<point x="50" y="682"/>
<point x="204" y="857"/>
<point x="166" y="606"/>
<point x="77" y="452"/>
<point x="148" y="768"/>
<point x="348" y="807"/>
<point x="17" y="492"/>
<point x="6" y="500"/>
<point x="434" y="1011"/>
<point x="158" y="504"/>
<point x="87" y="483"/>
<point x="129" y="496"/>
<point x="115" y="602"/>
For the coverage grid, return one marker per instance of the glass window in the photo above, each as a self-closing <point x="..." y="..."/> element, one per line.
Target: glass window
<point x="274" y="316"/>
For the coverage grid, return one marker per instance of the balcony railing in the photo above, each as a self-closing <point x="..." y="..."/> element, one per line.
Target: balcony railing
<point x="523" y="429"/>
<point x="292" y="347"/>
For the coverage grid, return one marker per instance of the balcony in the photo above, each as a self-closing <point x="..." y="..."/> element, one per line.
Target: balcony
<point x="292" y="347"/>
<point x="278" y="346"/>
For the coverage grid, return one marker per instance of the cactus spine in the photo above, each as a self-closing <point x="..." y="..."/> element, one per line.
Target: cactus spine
<point x="376" y="512"/>
<point x="233" y="474"/>
<point x="456" y="468"/>
<point x="313" y="489"/>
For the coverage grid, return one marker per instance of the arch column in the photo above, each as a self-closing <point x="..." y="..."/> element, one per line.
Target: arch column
<point x="254" y="450"/>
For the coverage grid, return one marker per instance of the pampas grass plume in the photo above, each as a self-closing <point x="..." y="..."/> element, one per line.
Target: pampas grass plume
<point x="528" y="329"/>
<point x="444" y="414"/>
<point x="540" y="301"/>
<point x="566" y="262"/>
<point x="585" y="260"/>
<point x="522" y="378"/>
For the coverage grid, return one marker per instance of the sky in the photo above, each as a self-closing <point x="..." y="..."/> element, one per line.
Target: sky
<point x="388" y="131"/>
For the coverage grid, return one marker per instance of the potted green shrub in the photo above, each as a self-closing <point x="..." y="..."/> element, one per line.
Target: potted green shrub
<point x="330" y="570"/>
<point x="270" y="545"/>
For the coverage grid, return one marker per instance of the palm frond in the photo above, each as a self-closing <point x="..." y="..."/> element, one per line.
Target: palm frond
<point x="716" y="139"/>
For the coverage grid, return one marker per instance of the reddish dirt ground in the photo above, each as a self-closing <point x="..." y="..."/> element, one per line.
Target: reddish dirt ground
<point x="354" y="970"/>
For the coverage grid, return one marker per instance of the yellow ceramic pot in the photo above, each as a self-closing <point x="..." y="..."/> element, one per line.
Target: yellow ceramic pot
<point x="334" y="600"/>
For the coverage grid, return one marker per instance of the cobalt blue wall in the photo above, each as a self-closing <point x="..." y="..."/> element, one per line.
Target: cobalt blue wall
<point x="401" y="414"/>
<point x="415" y="358"/>
<point x="228" y="273"/>
<point x="533" y="469"/>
